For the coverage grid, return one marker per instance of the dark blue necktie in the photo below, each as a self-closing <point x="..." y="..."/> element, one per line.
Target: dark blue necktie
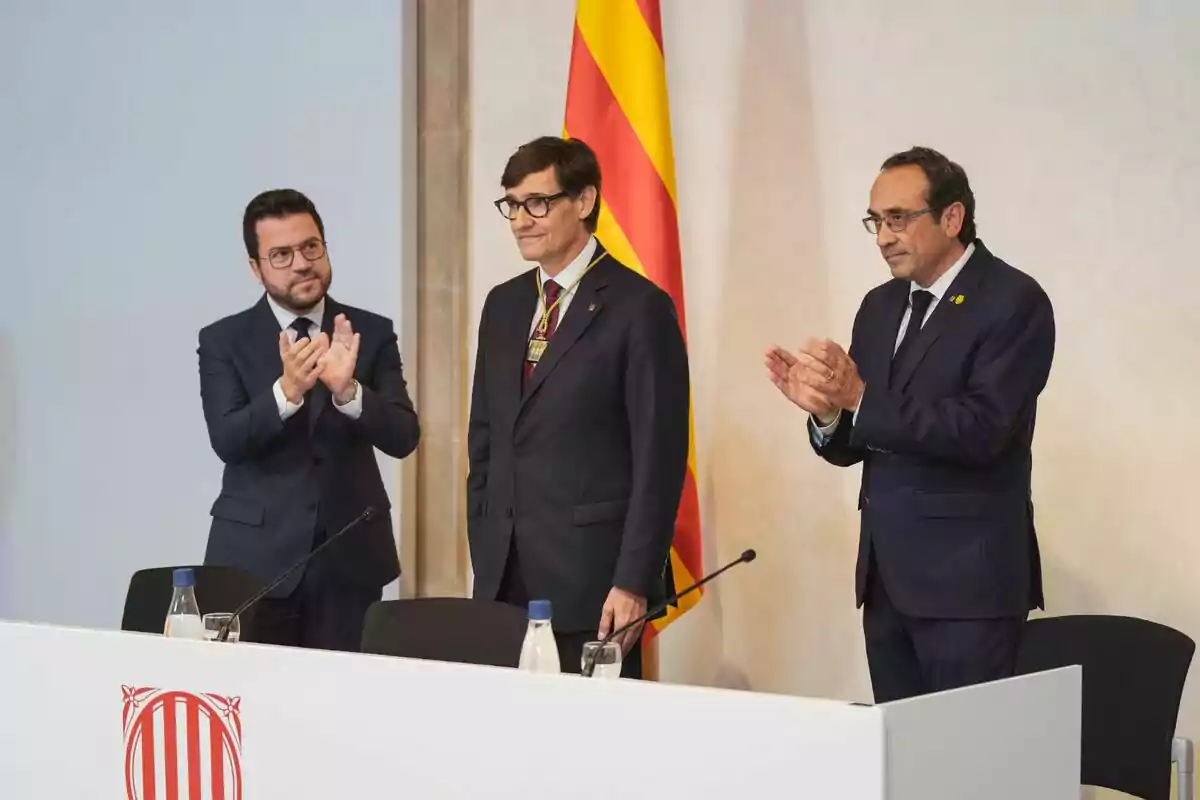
<point x="920" y="305"/>
<point x="301" y="325"/>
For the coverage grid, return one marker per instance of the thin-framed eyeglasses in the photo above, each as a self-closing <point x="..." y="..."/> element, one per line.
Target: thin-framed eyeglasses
<point x="281" y="257"/>
<point x="537" y="206"/>
<point x="896" y="220"/>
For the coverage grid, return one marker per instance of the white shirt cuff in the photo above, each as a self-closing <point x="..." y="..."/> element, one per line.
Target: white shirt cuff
<point x="352" y="409"/>
<point x="286" y="407"/>
<point x="821" y="433"/>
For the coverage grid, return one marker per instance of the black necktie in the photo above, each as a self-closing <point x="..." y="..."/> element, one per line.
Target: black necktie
<point x="920" y="304"/>
<point x="301" y="325"/>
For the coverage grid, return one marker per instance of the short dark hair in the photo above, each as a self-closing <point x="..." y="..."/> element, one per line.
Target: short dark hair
<point x="275" y="203"/>
<point x="575" y="168"/>
<point x="948" y="184"/>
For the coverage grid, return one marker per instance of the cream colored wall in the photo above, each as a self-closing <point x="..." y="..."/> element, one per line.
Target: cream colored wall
<point x="1077" y="129"/>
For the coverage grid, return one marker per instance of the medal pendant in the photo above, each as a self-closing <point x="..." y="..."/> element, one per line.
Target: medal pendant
<point x="533" y="354"/>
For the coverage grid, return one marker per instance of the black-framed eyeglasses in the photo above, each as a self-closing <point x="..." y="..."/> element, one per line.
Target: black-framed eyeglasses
<point x="281" y="257"/>
<point x="896" y="220"/>
<point x="537" y="206"/>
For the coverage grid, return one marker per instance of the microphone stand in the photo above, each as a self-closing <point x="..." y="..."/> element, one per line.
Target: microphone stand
<point x="589" y="665"/>
<point x="223" y="633"/>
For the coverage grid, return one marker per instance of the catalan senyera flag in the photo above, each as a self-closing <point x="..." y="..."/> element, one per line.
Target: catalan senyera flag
<point x="617" y="103"/>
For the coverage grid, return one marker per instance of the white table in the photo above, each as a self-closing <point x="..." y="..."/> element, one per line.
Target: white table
<point x="106" y="714"/>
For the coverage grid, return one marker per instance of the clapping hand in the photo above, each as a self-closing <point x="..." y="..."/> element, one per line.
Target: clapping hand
<point x="338" y="362"/>
<point x="302" y="363"/>
<point x="819" y="378"/>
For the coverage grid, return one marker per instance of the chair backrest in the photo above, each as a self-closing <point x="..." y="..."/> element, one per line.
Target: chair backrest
<point x="1133" y="675"/>
<point x="217" y="589"/>
<point x="446" y="629"/>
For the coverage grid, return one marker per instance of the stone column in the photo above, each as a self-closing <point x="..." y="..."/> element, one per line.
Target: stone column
<point x="435" y="551"/>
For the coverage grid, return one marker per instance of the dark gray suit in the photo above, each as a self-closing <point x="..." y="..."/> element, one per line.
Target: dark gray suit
<point x="576" y="474"/>
<point x="288" y="484"/>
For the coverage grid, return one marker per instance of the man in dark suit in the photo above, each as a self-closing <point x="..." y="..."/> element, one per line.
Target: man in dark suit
<point x="298" y="391"/>
<point x="936" y="398"/>
<point x="578" y="431"/>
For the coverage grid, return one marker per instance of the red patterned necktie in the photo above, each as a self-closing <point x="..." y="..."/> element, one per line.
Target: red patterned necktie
<point x="551" y="291"/>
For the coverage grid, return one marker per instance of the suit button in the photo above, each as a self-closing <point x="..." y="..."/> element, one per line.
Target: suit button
<point x="312" y="505"/>
<point x="318" y="461"/>
<point x="508" y="512"/>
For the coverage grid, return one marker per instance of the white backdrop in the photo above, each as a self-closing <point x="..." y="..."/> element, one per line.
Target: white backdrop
<point x="133" y="135"/>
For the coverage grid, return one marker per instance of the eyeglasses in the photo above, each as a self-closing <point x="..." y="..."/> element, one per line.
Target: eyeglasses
<point x="896" y="220"/>
<point x="537" y="206"/>
<point x="281" y="257"/>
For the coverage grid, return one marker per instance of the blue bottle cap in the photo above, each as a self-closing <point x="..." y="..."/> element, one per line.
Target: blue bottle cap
<point x="183" y="577"/>
<point x="539" y="610"/>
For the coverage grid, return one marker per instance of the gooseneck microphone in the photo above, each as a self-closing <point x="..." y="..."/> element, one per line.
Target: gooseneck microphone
<point x="590" y="664"/>
<point x="223" y="634"/>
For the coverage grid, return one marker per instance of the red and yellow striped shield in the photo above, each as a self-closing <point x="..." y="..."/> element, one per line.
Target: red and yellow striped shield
<point x="181" y="746"/>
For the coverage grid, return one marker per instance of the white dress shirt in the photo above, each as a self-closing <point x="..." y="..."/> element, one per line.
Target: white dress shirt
<point x="938" y="290"/>
<point x="568" y="279"/>
<point x="315" y="317"/>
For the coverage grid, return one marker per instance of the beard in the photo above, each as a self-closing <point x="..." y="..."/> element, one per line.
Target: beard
<point x="302" y="295"/>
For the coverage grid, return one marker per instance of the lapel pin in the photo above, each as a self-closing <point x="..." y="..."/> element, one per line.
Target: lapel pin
<point x="591" y="307"/>
<point x="958" y="299"/>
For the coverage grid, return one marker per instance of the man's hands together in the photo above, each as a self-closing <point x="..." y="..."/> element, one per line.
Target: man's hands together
<point x="302" y="364"/>
<point x="306" y="361"/>
<point x="820" y="378"/>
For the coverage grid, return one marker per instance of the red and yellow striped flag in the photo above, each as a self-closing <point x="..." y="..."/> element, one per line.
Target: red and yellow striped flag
<point x="617" y="103"/>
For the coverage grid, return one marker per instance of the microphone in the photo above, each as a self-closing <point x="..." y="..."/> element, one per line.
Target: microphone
<point x="590" y="665"/>
<point x="223" y="633"/>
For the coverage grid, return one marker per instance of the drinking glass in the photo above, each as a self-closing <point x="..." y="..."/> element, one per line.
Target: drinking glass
<point x="608" y="659"/>
<point x="214" y="622"/>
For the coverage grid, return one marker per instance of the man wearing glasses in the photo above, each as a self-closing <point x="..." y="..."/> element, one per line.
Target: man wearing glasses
<point x="936" y="398"/>
<point x="298" y="392"/>
<point x="578" y="428"/>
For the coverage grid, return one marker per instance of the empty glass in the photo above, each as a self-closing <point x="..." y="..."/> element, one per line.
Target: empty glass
<point x="214" y="622"/>
<point x="608" y="660"/>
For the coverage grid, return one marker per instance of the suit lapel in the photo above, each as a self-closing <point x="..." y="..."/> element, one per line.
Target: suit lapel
<point x="511" y="335"/>
<point x="585" y="306"/>
<point x="262" y="341"/>
<point x="946" y="314"/>
<point x="883" y="336"/>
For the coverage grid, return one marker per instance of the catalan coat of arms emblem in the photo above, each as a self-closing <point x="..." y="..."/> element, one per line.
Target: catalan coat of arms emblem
<point x="181" y="746"/>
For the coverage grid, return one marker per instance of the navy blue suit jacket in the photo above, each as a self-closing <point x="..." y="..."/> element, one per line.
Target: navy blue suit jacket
<point x="945" y="503"/>
<point x="285" y="480"/>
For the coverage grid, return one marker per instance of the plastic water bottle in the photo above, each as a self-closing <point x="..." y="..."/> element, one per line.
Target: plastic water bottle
<point x="539" y="653"/>
<point x="183" y="617"/>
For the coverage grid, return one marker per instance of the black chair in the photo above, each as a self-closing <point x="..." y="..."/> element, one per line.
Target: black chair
<point x="1133" y="675"/>
<point x="217" y="589"/>
<point x="446" y="629"/>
